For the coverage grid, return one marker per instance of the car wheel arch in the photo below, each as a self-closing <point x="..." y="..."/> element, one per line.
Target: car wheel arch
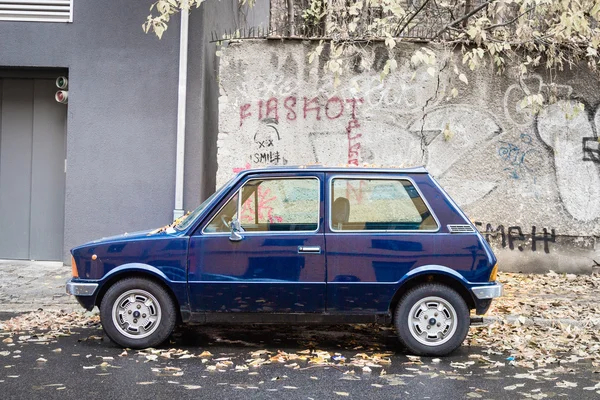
<point x="137" y="273"/>
<point x="432" y="276"/>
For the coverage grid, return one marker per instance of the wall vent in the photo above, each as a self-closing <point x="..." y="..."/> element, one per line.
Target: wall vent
<point x="36" y="10"/>
<point x="461" y="229"/>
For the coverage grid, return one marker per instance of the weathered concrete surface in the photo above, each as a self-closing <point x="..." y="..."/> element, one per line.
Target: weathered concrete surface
<point x="532" y="182"/>
<point x="30" y="285"/>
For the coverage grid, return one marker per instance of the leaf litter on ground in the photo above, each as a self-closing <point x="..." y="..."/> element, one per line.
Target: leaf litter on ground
<point x="544" y="349"/>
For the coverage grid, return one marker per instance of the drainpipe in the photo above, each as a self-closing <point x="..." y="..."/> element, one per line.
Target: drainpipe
<point x="181" y="107"/>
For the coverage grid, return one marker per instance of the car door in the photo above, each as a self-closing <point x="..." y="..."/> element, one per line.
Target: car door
<point x="379" y="228"/>
<point x="276" y="264"/>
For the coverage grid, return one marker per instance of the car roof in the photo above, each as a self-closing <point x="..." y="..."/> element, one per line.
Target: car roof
<point x="342" y="169"/>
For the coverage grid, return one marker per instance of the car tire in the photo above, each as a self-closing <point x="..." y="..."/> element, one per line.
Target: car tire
<point x="137" y="313"/>
<point x="432" y="320"/>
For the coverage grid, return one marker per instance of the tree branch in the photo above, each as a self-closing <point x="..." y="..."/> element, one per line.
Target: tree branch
<point x="468" y="5"/>
<point x="509" y="22"/>
<point x="397" y="33"/>
<point x="464" y="17"/>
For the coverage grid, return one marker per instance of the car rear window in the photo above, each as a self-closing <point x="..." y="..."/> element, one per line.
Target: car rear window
<point x="378" y="205"/>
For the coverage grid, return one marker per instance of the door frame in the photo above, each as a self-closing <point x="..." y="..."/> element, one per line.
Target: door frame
<point x="199" y="233"/>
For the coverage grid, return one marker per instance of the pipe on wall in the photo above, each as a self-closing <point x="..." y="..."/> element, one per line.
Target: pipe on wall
<point x="181" y="108"/>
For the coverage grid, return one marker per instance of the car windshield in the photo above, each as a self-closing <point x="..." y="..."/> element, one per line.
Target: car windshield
<point x="191" y="217"/>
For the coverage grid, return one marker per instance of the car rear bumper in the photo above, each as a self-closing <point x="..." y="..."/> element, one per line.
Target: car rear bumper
<point x="484" y="294"/>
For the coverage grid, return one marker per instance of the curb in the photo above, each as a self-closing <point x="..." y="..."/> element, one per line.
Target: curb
<point x="17" y="308"/>
<point x="481" y="321"/>
<point x="593" y="323"/>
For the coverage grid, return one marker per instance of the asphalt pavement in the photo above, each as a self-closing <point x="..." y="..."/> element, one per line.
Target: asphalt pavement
<point x="86" y="365"/>
<point x="537" y="346"/>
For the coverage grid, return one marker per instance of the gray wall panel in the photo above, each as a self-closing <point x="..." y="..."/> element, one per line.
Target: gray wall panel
<point x="48" y="177"/>
<point x="122" y="111"/>
<point x="15" y="167"/>
<point x="121" y="123"/>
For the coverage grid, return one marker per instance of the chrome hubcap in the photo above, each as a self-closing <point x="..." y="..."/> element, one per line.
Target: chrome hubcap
<point x="432" y="321"/>
<point x="136" y="314"/>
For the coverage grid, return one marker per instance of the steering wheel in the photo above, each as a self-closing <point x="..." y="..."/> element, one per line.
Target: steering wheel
<point x="224" y="221"/>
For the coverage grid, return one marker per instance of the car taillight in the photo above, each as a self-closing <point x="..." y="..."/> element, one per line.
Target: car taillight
<point x="74" y="268"/>
<point x="494" y="273"/>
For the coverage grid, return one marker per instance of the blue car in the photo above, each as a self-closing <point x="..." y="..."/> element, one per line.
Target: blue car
<point x="299" y="245"/>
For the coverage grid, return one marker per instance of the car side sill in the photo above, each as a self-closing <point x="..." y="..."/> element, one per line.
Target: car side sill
<point x="287" y="318"/>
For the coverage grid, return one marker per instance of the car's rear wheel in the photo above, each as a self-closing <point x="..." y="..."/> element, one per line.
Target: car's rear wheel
<point x="137" y="313"/>
<point x="432" y="319"/>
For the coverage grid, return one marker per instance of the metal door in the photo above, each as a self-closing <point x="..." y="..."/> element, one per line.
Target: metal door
<point x="32" y="170"/>
<point x="264" y="272"/>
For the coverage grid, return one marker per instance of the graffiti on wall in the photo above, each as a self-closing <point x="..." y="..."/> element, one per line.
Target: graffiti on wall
<point x="591" y="149"/>
<point x="571" y="139"/>
<point x="353" y="141"/>
<point x="517" y="157"/>
<point x="292" y="108"/>
<point x="485" y="148"/>
<point x="530" y="85"/>
<point x="572" y="142"/>
<point x="575" y="153"/>
<point x="266" y="143"/>
<point x="514" y="237"/>
<point x="408" y="95"/>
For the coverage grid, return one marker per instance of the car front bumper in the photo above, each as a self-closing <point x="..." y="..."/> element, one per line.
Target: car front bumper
<point x="81" y="288"/>
<point x="84" y="292"/>
<point x="488" y="291"/>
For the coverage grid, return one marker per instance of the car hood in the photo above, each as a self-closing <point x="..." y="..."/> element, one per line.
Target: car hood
<point x="128" y="236"/>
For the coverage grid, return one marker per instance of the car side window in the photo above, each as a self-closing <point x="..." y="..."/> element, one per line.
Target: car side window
<point x="266" y="205"/>
<point x="221" y="222"/>
<point x="379" y="205"/>
<point x="290" y="204"/>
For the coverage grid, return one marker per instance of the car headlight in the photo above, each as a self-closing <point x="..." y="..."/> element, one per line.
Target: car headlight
<point x="74" y="268"/>
<point x="494" y="273"/>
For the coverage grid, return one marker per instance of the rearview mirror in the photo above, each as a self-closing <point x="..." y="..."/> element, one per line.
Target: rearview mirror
<point x="235" y="231"/>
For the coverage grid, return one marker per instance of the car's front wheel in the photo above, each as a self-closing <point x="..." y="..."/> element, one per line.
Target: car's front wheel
<point x="137" y="313"/>
<point x="432" y="319"/>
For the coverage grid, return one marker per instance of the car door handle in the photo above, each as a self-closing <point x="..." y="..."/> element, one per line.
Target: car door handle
<point x="309" y="249"/>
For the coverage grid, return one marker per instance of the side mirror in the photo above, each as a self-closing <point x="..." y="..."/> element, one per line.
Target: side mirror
<point x="236" y="228"/>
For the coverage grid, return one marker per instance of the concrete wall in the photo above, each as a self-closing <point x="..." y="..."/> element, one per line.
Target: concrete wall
<point x="202" y="117"/>
<point x="531" y="182"/>
<point x="122" y="110"/>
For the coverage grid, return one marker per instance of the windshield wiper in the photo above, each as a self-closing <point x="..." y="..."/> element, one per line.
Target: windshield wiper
<point x="172" y="225"/>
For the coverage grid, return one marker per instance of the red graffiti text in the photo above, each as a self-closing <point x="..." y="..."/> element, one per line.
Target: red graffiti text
<point x="292" y="108"/>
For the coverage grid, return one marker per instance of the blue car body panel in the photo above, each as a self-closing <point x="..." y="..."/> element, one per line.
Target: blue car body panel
<point x="161" y="255"/>
<point x="355" y="273"/>
<point x="262" y="273"/>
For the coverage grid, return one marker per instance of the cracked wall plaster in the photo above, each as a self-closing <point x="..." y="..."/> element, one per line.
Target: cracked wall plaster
<point x="504" y="166"/>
